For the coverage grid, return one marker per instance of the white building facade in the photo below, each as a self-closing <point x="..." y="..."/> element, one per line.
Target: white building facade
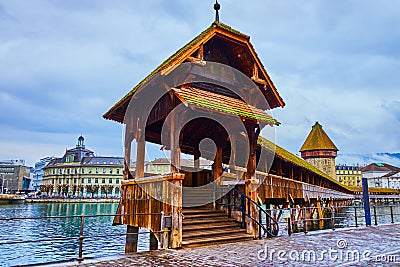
<point x="80" y="173"/>
<point x="382" y="175"/>
<point x="37" y="174"/>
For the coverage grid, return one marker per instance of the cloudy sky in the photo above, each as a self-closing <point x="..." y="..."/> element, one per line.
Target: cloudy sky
<point x="64" y="63"/>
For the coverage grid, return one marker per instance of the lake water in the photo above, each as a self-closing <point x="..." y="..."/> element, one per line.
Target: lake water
<point x="26" y="230"/>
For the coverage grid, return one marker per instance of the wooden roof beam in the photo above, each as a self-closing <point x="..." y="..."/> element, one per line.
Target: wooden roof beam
<point x="255" y="77"/>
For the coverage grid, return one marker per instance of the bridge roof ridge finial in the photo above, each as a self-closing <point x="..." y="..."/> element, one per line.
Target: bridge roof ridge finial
<point x="217" y="7"/>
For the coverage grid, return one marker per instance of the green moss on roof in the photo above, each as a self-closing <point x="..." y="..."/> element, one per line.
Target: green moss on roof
<point x="317" y="139"/>
<point x="223" y="104"/>
<point x="287" y="156"/>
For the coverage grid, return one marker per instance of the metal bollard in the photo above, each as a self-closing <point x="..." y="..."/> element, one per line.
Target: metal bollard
<point x="376" y="220"/>
<point x="81" y="237"/>
<point x="289" y="228"/>
<point x="355" y="215"/>
<point x="391" y="214"/>
<point x="333" y="217"/>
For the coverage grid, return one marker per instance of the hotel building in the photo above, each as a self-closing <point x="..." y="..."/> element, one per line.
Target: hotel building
<point x="80" y="173"/>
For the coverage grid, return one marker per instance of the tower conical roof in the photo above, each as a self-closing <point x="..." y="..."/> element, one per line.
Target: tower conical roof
<point x="317" y="139"/>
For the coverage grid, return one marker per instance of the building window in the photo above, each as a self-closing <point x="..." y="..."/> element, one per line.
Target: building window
<point x="159" y="168"/>
<point x="117" y="171"/>
<point x="83" y="180"/>
<point x="110" y="181"/>
<point x="54" y="171"/>
<point x="103" y="181"/>
<point x="104" y="170"/>
<point x="75" y="180"/>
<point x="166" y="168"/>
<point x="68" y="171"/>
<point x="97" y="170"/>
<point x="60" y="181"/>
<point x="60" y="171"/>
<point x="117" y="181"/>
<point x="110" y="170"/>
<point x="96" y="180"/>
<point x="90" y="170"/>
<point x="76" y="170"/>
<point x="89" y="180"/>
<point x="83" y="170"/>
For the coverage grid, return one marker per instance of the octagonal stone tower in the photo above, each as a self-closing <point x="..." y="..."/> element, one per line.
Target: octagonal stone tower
<point x="320" y="151"/>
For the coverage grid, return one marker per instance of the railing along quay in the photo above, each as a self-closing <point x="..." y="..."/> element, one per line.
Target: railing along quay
<point x="80" y="237"/>
<point x="338" y="217"/>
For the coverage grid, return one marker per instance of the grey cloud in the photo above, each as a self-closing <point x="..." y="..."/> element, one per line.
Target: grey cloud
<point x="64" y="63"/>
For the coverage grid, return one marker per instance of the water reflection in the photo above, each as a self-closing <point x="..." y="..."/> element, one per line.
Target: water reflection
<point x="29" y="253"/>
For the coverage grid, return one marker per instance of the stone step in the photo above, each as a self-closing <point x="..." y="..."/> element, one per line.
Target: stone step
<point x="204" y="215"/>
<point x="194" y="227"/>
<point x="209" y="220"/>
<point x="199" y="210"/>
<point x="205" y="226"/>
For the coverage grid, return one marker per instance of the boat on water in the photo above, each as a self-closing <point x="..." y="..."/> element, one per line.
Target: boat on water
<point x="12" y="199"/>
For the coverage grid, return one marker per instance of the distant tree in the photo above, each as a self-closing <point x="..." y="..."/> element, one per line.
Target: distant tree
<point x="43" y="188"/>
<point x="65" y="189"/>
<point x="49" y="189"/>
<point x="95" y="189"/>
<point x="59" y="188"/>
<point x="74" y="189"/>
<point x="88" y="188"/>
<point x="80" y="189"/>
<point x="107" y="189"/>
<point x="92" y="189"/>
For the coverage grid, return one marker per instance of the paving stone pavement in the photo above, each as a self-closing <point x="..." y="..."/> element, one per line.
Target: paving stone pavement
<point x="381" y="244"/>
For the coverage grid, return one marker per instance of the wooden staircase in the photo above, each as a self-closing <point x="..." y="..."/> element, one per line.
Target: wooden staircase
<point x="205" y="226"/>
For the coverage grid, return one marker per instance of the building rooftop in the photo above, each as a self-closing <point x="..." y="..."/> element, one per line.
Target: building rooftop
<point x="317" y="139"/>
<point x="379" y="167"/>
<point x="83" y="156"/>
<point x="216" y="29"/>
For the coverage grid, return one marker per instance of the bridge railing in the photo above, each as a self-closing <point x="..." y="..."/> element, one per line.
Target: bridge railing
<point x="80" y="235"/>
<point x="305" y="219"/>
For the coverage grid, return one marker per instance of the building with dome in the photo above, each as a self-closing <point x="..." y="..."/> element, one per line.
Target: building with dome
<point x="80" y="173"/>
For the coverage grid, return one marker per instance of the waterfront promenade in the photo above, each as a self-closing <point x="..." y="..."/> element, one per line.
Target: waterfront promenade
<point x="364" y="246"/>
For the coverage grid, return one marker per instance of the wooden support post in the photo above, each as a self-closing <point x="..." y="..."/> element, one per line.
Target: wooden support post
<point x="218" y="163"/>
<point x="127" y="159"/>
<point x="320" y="213"/>
<point x="141" y="147"/>
<point x="319" y="210"/>
<point x="131" y="239"/>
<point x="197" y="159"/>
<point x="153" y="241"/>
<point x="196" y="175"/>
<point x="232" y="163"/>
<point x="176" y="205"/>
<point x="250" y="175"/>
<point x="174" y="144"/>
<point x="200" y="52"/>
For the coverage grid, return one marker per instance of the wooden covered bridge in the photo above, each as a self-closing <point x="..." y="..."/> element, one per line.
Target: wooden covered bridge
<point x="214" y="88"/>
